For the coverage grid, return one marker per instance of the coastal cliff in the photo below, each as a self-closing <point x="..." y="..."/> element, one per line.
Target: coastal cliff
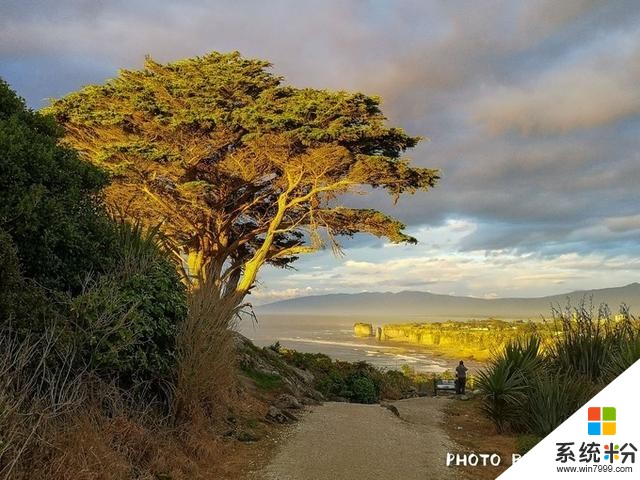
<point x="473" y="339"/>
<point x="363" y="329"/>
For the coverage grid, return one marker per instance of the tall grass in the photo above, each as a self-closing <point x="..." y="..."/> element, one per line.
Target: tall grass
<point x="623" y="357"/>
<point x="61" y="422"/>
<point x="505" y="391"/>
<point x="590" y="338"/>
<point x="530" y="387"/>
<point x="551" y="399"/>
<point x="206" y="354"/>
<point x="524" y="355"/>
<point x="38" y="387"/>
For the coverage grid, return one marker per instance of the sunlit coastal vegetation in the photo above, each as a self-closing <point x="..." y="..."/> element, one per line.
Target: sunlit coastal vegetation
<point x="134" y="219"/>
<point x="474" y="339"/>
<point x="535" y="383"/>
<point x="471" y="339"/>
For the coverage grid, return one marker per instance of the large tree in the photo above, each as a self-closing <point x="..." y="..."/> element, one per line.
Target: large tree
<point x="239" y="168"/>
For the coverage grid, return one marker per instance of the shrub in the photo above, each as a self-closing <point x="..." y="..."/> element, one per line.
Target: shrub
<point x="24" y="305"/>
<point x="11" y="281"/>
<point x="553" y="398"/>
<point x="395" y="385"/>
<point x="524" y="355"/>
<point x="49" y="200"/>
<point x="122" y="325"/>
<point x="507" y="382"/>
<point x="357" y="382"/>
<point x="589" y="339"/>
<point x="362" y="389"/>
<point x="623" y="357"/>
<point x="526" y="390"/>
<point x="504" y="391"/>
<point x="104" y="288"/>
<point x="125" y="322"/>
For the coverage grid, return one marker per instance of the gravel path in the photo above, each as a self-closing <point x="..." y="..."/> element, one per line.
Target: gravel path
<point x="343" y="441"/>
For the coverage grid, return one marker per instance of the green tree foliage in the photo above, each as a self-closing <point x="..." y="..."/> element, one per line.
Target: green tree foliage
<point x="23" y="304"/>
<point x="10" y="278"/>
<point x="103" y="290"/>
<point x="48" y="200"/>
<point x="240" y="169"/>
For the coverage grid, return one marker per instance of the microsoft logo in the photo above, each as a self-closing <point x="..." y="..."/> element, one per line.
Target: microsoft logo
<point x="602" y="420"/>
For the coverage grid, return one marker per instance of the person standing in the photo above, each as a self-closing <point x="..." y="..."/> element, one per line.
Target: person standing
<point x="461" y="377"/>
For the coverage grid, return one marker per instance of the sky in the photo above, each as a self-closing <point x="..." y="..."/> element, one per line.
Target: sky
<point x="531" y="110"/>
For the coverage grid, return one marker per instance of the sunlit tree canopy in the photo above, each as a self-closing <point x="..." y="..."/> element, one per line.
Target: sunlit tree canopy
<point x="239" y="168"/>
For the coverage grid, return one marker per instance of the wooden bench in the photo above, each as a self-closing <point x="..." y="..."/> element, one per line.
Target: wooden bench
<point x="444" y="385"/>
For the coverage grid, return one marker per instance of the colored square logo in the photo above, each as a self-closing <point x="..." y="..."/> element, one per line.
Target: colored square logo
<point x="595" y="428"/>
<point x="608" y="428"/>
<point x="602" y="420"/>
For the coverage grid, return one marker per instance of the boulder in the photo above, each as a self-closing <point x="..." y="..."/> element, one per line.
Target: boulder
<point x="303" y="375"/>
<point x="246" y="437"/>
<point x="276" y="415"/>
<point x="310" y="401"/>
<point x="411" y="392"/>
<point x="392" y="408"/>
<point x="288" y="401"/>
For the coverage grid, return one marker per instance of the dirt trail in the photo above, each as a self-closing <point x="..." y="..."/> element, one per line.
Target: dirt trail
<point x="343" y="441"/>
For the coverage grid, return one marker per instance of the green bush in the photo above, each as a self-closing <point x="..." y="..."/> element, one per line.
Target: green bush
<point x="395" y="385"/>
<point x="362" y="389"/>
<point x="357" y="382"/>
<point x="122" y="325"/>
<point x="526" y="390"/>
<point x="552" y="398"/>
<point x="524" y="355"/>
<point x="504" y="392"/>
<point x="125" y="322"/>
<point x="10" y="279"/>
<point x="623" y="357"/>
<point x="24" y="305"/>
<point x="506" y="383"/>
<point x="49" y="200"/>
<point x="103" y="290"/>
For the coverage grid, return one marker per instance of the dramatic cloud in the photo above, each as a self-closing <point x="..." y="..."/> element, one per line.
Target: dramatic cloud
<point x="435" y="268"/>
<point x="630" y="223"/>
<point x="532" y="111"/>
<point x="575" y="97"/>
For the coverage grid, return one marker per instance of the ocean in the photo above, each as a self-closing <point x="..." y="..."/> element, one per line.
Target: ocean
<point x="333" y="336"/>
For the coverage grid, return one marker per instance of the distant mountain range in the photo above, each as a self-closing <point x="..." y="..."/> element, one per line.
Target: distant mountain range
<point x="411" y="304"/>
